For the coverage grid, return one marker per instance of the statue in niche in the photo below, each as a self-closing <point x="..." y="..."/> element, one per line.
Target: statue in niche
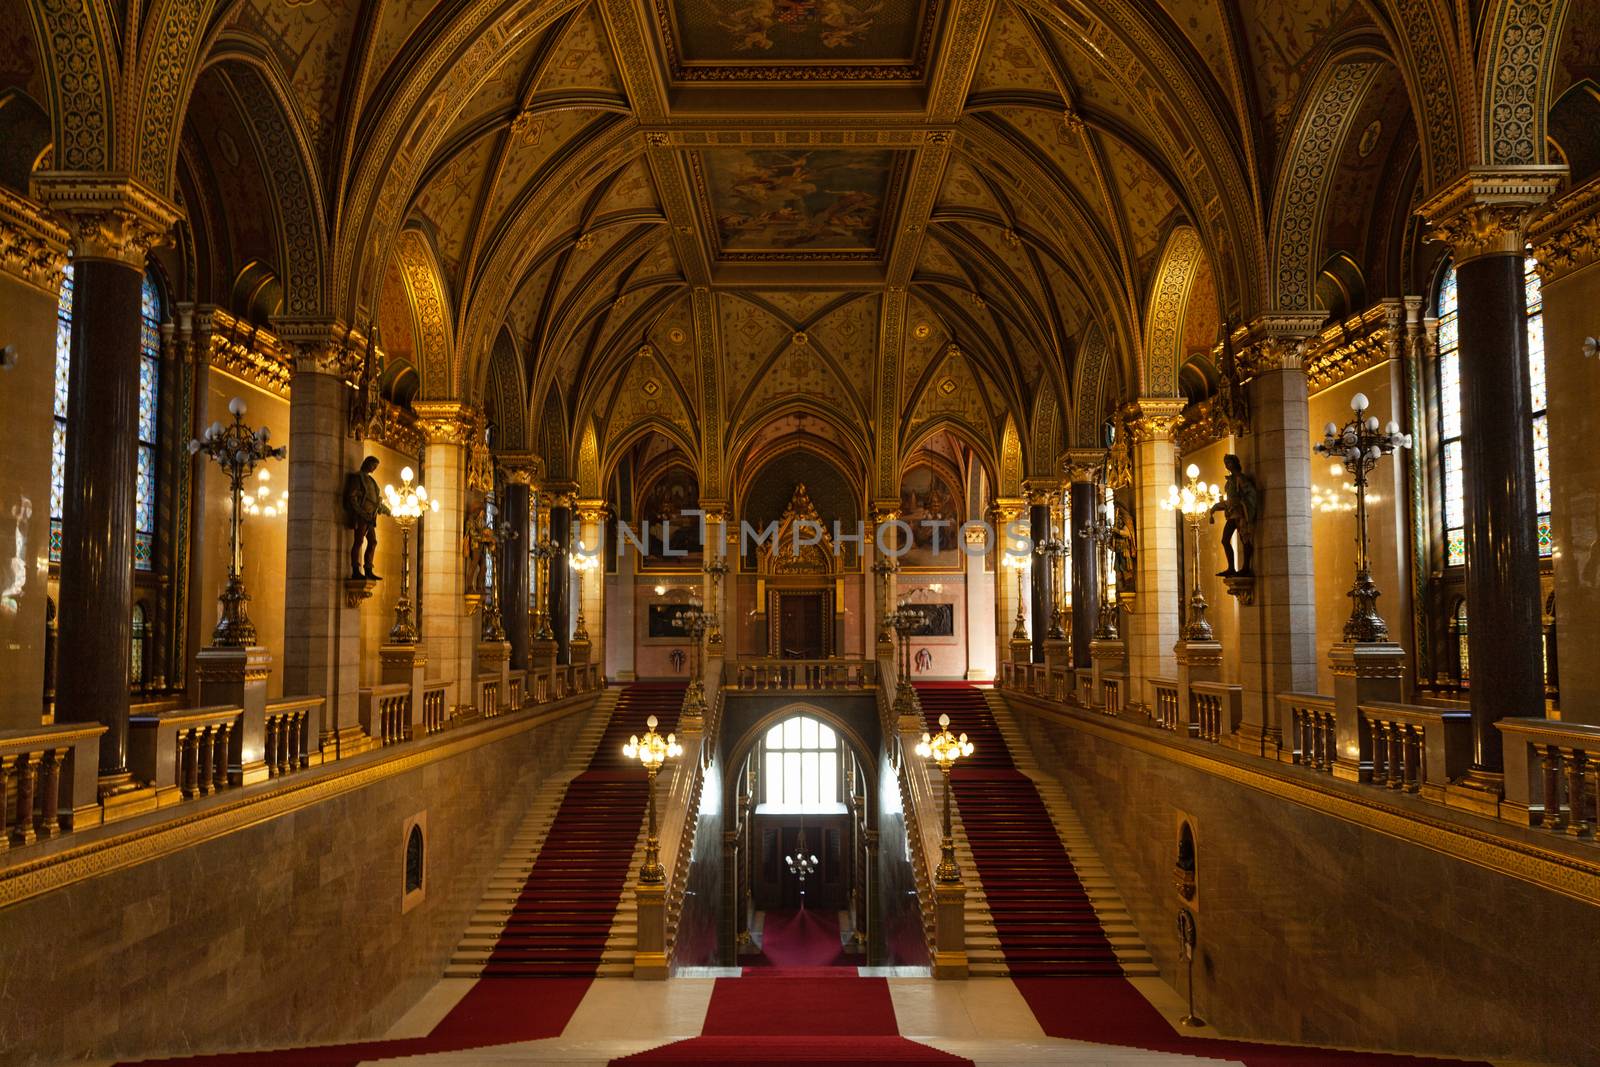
<point x="363" y="503"/>
<point x="476" y="539"/>
<point x="1240" y="504"/>
<point x="1125" y="548"/>
<point x="1230" y="407"/>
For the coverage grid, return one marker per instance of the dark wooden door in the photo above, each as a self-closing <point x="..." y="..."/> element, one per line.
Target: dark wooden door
<point x="800" y="626"/>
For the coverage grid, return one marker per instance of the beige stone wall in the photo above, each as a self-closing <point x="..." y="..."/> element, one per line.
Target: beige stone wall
<point x="1316" y="930"/>
<point x="26" y="388"/>
<point x="288" y="932"/>
<point x="1222" y="609"/>
<point x="1333" y="533"/>
<point x="1574" y="384"/>
<point x="265" y="539"/>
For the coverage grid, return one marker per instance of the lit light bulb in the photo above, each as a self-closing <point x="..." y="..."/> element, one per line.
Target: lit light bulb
<point x="1358" y="403"/>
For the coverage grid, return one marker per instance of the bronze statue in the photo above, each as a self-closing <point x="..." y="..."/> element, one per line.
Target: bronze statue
<point x="476" y="539"/>
<point x="1240" y="504"/>
<point x="1125" y="548"/>
<point x="363" y="503"/>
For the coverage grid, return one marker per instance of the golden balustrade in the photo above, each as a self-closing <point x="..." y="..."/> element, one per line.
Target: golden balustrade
<point x="810" y="675"/>
<point x="184" y="752"/>
<point x="288" y="734"/>
<point x="1552" y="776"/>
<point x="1216" y="709"/>
<point x="1166" y="703"/>
<point x="1313" y="729"/>
<point x="435" y="712"/>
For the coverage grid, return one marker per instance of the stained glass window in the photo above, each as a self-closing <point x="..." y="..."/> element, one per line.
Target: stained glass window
<point x="58" y="431"/>
<point x="1449" y="400"/>
<point x="144" y="525"/>
<point x="1463" y="665"/>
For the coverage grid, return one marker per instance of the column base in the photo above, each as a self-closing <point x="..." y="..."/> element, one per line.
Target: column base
<point x="251" y="773"/>
<point x="349" y="741"/>
<point x="1479" y="792"/>
<point x="1255" y="740"/>
<point x="122" y="797"/>
<point x="650" y="955"/>
<point x="950" y="931"/>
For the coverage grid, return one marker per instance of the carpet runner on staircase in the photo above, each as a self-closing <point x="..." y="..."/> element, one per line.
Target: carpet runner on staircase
<point x="1041" y="912"/>
<point x="559" y="924"/>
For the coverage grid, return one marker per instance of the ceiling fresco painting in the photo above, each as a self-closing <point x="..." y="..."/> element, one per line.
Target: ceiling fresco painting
<point x="787" y="40"/>
<point x="784" y="201"/>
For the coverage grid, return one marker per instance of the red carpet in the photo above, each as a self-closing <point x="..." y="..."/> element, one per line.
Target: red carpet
<point x="827" y="1020"/>
<point x="560" y="923"/>
<point x="1041" y="912"/>
<point x="799" y="938"/>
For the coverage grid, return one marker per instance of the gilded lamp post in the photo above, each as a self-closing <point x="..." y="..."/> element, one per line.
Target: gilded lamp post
<point x="1194" y="502"/>
<point x="237" y="449"/>
<point x="406" y="505"/>
<point x="652" y="750"/>
<point x="582" y="561"/>
<point x="1359" y="444"/>
<point x="944" y="748"/>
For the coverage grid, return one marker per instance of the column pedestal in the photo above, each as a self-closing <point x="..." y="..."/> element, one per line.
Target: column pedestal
<point x="1198" y="661"/>
<point x="238" y="677"/>
<point x="1362" y="673"/>
<point x="950" y="931"/>
<point x="650" y="953"/>
<point x="405" y="665"/>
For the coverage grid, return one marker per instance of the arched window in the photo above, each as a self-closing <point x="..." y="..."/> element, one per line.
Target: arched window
<point x="1449" y="412"/>
<point x="58" y="432"/>
<point x="144" y="526"/>
<point x="801" y="763"/>
<point x="414" y="858"/>
<point x="139" y="631"/>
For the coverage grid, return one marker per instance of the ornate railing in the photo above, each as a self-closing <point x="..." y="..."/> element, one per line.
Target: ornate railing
<point x="1553" y="773"/>
<point x="488" y="695"/>
<point x="386" y="712"/>
<point x="435" y="709"/>
<point x="288" y="734"/>
<point x="1111" y="690"/>
<point x="184" y="752"/>
<point x="1166" y="703"/>
<point x="1215" y="708"/>
<point x="852" y="675"/>
<point x="1416" y="748"/>
<point x="1313" y="729"/>
<point x="515" y="682"/>
<point x="47" y="776"/>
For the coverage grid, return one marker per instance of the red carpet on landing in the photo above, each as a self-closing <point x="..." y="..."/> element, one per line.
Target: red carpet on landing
<point x="801" y="937"/>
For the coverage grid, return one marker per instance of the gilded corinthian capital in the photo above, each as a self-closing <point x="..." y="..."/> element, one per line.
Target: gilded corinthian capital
<point x="1566" y="238"/>
<point x="1486" y="211"/>
<point x="445" y="422"/>
<point x="110" y="216"/>
<point x="1156" y="418"/>
<point x="33" y="248"/>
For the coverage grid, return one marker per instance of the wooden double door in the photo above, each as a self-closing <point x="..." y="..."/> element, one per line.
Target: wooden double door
<point x="827" y="838"/>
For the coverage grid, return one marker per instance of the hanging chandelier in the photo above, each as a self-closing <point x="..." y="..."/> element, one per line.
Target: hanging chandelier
<point x="801" y="864"/>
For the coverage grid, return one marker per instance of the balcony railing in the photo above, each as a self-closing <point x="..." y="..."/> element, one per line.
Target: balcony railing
<point x="1553" y="773"/>
<point x="187" y="752"/>
<point x="848" y="675"/>
<point x="1313" y="729"/>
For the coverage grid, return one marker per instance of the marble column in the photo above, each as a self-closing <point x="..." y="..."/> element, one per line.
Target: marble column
<point x="114" y="223"/>
<point x="885" y="539"/>
<point x="1482" y="217"/>
<point x="560" y="593"/>
<point x="29" y="288"/>
<point x="1154" y="620"/>
<point x="1008" y="516"/>
<point x="1277" y="617"/>
<point x="1039" y="577"/>
<point x="514" y="557"/>
<point x="449" y="626"/>
<point x="1567" y="246"/>
<point x="321" y="626"/>
<point x="1081" y="468"/>
<point x="590" y="516"/>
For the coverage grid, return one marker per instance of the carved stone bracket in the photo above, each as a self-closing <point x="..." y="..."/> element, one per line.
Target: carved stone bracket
<point x="358" y="589"/>
<point x="110" y="216"/>
<point x="1486" y="211"/>
<point x="1273" y="342"/>
<point x="1241" y="586"/>
<point x="520" y="468"/>
<point x="1082" y="464"/>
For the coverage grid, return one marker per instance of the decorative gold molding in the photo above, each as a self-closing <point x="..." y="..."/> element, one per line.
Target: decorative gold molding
<point x="1275" y="341"/>
<point x="1566" y="238"/>
<point x="81" y="861"/>
<point x="521" y="468"/>
<point x="320" y="346"/>
<point x="1363" y="340"/>
<point x="33" y="247"/>
<point x="245" y="351"/>
<point x="1545" y="868"/>
<point x="110" y="216"/>
<point x="1486" y="211"/>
